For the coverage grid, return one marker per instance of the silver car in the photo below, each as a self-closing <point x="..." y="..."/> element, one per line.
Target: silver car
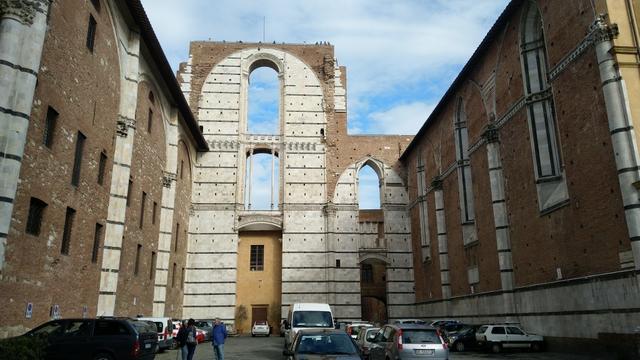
<point x="408" y="341"/>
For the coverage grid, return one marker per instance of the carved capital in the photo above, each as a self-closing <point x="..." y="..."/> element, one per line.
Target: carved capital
<point x="491" y="134"/>
<point x="436" y="183"/>
<point x="602" y="31"/>
<point x="23" y="10"/>
<point x="123" y="125"/>
<point x="168" y="178"/>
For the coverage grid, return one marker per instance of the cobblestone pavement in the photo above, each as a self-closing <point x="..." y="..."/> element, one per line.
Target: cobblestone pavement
<point x="270" y="348"/>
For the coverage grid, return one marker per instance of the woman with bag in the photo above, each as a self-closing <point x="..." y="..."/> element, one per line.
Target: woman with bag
<point x="186" y="339"/>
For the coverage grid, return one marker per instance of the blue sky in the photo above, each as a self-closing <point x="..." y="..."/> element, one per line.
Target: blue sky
<point x="401" y="55"/>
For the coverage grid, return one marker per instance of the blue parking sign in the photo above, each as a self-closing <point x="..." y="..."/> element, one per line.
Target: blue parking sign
<point x="29" y="311"/>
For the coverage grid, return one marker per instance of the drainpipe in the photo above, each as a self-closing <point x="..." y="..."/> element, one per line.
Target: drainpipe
<point x="621" y="129"/>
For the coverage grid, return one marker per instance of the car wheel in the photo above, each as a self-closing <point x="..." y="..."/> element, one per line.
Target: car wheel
<point x="496" y="348"/>
<point x="253" y="335"/>
<point x="459" y="346"/>
<point x="536" y="346"/>
<point x="103" y="356"/>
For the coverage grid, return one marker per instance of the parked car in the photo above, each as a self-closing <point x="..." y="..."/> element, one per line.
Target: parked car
<point x="499" y="336"/>
<point x="410" y="321"/>
<point x="408" y="341"/>
<point x="354" y="328"/>
<point x="322" y="344"/>
<point x="363" y="341"/>
<point x="260" y="328"/>
<point x="164" y="327"/>
<point x="462" y="339"/>
<point x="206" y="326"/>
<point x="105" y="338"/>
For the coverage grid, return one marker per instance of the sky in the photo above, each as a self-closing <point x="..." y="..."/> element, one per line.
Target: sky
<point x="401" y="55"/>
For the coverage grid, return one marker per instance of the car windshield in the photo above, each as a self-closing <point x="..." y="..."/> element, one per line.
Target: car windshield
<point x="312" y="319"/>
<point x="147" y="326"/>
<point x="261" y="323"/>
<point x="420" y="336"/>
<point x="326" y="344"/>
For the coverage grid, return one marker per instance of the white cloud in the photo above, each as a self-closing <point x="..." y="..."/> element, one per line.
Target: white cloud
<point x="387" y="46"/>
<point x="401" y="119"/>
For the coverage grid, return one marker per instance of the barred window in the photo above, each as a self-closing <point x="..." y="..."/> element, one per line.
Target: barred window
<point x="66" y="235"/>
<point x="102" y="164"/>
<point x="49" y="126"/>
<point x="97" y="236"/>
<point x="152" y="271"/>
<point x="77" y="162"/>
<point x="34" y="221"/>
<point x="136" y="267"/>
<point x="257" y="258"/>
<point x="366" y="273"/>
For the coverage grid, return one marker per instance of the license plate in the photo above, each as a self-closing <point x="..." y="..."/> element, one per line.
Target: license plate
<point x="147" y="346"/>
<point x="424" y="351"/>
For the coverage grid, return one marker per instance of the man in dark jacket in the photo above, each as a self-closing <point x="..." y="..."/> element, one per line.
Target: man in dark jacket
<point x="181" y="339"/>
<point x="218" y="334"/>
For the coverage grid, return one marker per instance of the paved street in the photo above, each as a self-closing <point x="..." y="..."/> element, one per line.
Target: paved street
<point x="248" y="348"/>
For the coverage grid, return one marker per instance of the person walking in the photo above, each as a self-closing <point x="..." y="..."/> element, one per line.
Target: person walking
<point x="186" y="339"/>
<point x="191" y="341"/>
<point x="181" y="339"/>
<point x="219" y="333"/>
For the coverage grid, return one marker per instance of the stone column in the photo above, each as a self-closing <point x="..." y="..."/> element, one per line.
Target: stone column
<point x="273" y="163"/>
<point x="621" y="129"/>
<point x="441" y="229"/>
<point x="250" y="179"/>
<point x="500" y="219"/>
<point x="23" y="26"/>
<point x="123" y="153"/>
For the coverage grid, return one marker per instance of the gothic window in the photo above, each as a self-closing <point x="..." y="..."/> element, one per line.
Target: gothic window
<point x="368" y="188"/>
<point x="465" y="184"/>
<point x="539" y="100"/>
<point x="263" y="101"/>
<point x="262" y="181"/>
<point x="422" y="207"/>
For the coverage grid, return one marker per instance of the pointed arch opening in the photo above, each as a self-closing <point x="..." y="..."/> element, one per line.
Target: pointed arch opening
<point x="369" y="193"/>
<point x="263" y="116"/>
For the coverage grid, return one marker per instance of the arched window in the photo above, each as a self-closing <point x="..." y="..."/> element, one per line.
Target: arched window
<point x="465" y="184"/>
<point x="261" y="181"/>
<point x="539" y="100"/>
<point x="368" y="188"/>
<point x="264" y="102"/>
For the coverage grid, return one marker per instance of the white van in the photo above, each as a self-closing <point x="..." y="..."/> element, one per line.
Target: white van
<point x="306" y="316"/>
<point x="164" y="326"/>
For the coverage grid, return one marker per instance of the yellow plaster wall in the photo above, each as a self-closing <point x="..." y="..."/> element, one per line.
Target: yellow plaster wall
<point x="259" y="287"/>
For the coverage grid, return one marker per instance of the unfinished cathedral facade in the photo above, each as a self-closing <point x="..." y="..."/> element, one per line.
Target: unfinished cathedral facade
<point x="313" y="244"/>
